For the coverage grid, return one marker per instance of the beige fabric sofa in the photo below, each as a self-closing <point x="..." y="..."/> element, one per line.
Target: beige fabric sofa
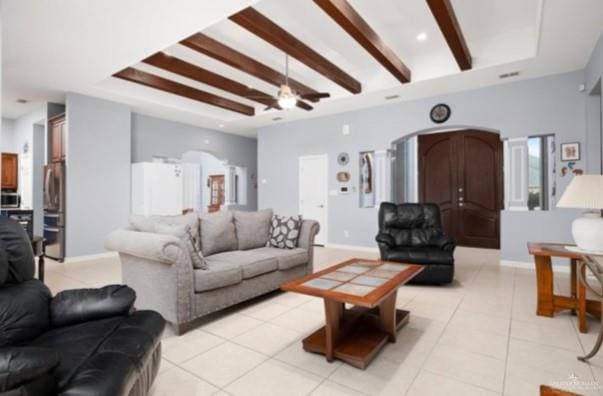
<point x="160" y="270"/>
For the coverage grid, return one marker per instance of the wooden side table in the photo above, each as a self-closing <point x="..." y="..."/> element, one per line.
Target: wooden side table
<point x="547" y="301"/>
<point x="37" y="243"/>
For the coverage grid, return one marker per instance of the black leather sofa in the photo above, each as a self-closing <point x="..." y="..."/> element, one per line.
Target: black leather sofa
<point x="412" y="233"/>
<point x="81" y="342"/>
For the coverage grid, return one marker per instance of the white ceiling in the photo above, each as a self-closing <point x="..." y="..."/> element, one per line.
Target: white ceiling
<point x="84" y="44"/>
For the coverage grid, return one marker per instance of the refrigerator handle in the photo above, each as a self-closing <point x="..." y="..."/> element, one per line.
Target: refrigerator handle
<point x="47" y="202"/>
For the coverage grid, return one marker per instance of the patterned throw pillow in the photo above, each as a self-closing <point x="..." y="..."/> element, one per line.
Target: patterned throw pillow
<point x="284" y="231"/>
<point x="184" y="233"/>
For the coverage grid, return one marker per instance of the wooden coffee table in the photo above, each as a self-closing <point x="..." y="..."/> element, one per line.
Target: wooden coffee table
<point x="356" y="335"/>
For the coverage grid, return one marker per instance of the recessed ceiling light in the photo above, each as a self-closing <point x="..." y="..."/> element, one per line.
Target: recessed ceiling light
<point x="22" y="101"/>
<point x="221" y="125"/>
<point x="422" y="36"/>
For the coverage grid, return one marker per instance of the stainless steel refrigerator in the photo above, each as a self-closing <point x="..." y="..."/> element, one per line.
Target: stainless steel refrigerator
<point x="54" y="210"/>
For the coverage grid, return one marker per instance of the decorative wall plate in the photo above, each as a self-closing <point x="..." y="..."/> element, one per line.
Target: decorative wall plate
<point x="343" y="177"/>
<point x="343" y="159"/>
<point x="440" y="113"/>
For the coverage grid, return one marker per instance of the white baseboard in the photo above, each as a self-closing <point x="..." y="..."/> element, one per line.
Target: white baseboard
<point x="530" y="265"/>
<point x="78" y="259"/>
<point x="352" y="247"/>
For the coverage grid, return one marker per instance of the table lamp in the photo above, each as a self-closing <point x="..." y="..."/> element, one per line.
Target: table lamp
<point x="586" y="192"/>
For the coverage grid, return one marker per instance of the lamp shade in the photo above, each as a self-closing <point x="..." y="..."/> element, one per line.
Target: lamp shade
<point x="584" y="191"/>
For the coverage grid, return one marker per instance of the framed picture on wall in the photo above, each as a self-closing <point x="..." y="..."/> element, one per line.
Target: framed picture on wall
<point x="570" y="151"/>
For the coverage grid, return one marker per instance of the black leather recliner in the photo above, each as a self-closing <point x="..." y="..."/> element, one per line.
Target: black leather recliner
<point x="81" y="342"/>
<point x="412" y="233"/>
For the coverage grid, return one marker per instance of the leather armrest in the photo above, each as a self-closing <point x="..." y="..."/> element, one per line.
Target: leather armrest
<point x="22" y="365"/>
<point x="386" y="239"/>
<point x="81" y="305"/>
<point x="443" y="242"/>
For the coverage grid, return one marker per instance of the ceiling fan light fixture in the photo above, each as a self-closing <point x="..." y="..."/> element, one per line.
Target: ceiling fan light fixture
<point x="286" y="98"/>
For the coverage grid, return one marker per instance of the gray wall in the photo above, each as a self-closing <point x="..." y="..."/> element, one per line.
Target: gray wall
<point x="98" y="172"/>
<point x="157" y="137"/>
<point x="6" y="138"/>
<point x="540" y="106"/>
<point x="594" y="106"/>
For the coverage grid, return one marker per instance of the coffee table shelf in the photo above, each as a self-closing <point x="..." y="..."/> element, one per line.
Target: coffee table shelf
<point x="362" y="340"/>
<point x="356" y="335"/>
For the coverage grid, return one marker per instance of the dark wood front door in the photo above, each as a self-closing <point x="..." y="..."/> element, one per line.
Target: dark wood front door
<point x="462" y="172"/>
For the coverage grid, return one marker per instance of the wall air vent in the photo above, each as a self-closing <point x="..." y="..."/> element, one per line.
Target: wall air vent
<point x="277" y="118"/>
<point x="22" y="101"/>
<point x="390" y="97"/>
<point x="507" y="75"/>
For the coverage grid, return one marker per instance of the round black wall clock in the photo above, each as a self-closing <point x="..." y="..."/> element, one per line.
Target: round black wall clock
<point x="440" y="113"/>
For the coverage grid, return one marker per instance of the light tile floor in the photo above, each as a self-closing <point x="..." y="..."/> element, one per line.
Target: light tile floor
<point x="479" y="336"/>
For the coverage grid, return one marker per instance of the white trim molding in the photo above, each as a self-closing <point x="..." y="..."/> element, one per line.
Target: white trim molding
<point x="530" y="265"/>
<point x="79" y="259"/>
<point x="352" y="247"/>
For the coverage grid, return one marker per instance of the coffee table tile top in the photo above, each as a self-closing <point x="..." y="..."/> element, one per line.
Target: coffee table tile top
<point x="340" y="276"/>
<point x="356" y="281"/>
<point x="382" y="273"/>
<point x="355" y="290"/>
<point x="320" y="283"/>
<point x="368" y="280"/>
<point x="354" y="269"/>
<point x="394" y="267"/>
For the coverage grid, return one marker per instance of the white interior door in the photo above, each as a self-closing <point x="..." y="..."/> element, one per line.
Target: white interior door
<point x="314" y="192"/>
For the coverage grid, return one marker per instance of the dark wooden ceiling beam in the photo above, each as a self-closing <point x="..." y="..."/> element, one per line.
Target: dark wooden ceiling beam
<point x="256" y="23"/>
<point x="445" y="17"/>
<point x="346" y="16"/>
<point x="225" y="54"/>
<point x="197" y="73"/>
<point x="163" y="84"/>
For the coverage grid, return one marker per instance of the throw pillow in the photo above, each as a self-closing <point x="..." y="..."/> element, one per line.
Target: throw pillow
<point x="284" y="231"/>
<point x="147" y="223"/>
<point x="183" y="232"/>
<point x="252" y="228"/>
<point x="217" y="232"/>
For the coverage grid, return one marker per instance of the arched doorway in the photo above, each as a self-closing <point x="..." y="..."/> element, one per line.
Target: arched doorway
<point x="462" y="171"/>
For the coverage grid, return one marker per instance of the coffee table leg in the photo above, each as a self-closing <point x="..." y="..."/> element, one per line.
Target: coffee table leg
<point x="544" y="284"/>
<point x="387" y="314"/>
<point x="333" y="313"/>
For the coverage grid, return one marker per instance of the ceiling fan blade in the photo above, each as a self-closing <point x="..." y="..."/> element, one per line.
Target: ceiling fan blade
<point x="304" y="105"/>
<point x="315" y="96"/>
<point x="272" y="106"/>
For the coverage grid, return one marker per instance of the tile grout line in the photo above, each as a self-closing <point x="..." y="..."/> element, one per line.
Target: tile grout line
<point x="509" y="334"/>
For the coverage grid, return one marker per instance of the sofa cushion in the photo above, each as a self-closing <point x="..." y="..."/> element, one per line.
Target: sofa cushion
<point x="103" y="356"/>
<point x="218" y="274"/>
<point x="148" y="223"/>
<point x="217" y="232"/>
<point x="251" y="264"/>
<point x="252" y="228"/>
<point x="287" y="258"/>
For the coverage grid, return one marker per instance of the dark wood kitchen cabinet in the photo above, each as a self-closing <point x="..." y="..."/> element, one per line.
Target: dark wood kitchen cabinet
<point x="10" y="171"/>
<point x="57" y="127"/>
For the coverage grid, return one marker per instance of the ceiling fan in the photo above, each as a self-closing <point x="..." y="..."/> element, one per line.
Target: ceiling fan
<point x="286" y="97"/>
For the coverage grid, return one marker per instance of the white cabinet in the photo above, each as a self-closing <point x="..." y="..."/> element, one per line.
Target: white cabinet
<point x="157" y="188"/>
